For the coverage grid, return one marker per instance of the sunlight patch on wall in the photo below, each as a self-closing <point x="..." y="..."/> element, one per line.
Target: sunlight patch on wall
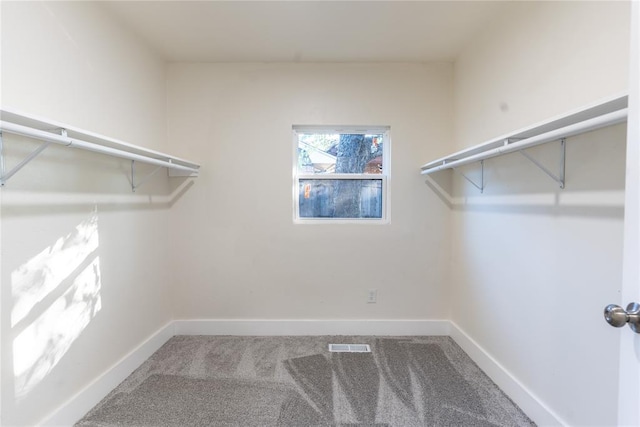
<point x="56" y="295"/>
<point x="43" y="273"/>
<point x="39" y="348"/>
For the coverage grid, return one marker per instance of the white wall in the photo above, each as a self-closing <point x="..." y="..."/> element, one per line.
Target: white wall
<point x="533" y="265"/>
<point x="84" y="277"/>
<point x="538" y="61"/>
<point x="236" y="252"/>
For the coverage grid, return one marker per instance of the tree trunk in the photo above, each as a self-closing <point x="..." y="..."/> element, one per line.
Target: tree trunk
<point x="354" y="151"/>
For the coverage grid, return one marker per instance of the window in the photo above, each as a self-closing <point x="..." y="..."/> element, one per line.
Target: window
<point x="341" y="174"/>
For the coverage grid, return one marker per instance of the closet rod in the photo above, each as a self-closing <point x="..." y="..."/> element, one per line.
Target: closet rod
<point x="554" y="135"/>
<point x="78" y="143"/>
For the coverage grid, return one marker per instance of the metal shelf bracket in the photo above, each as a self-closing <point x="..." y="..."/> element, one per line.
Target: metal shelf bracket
<point x="606" y="112"/>
<point x="560" y="178"/>
<point x="481" y="186"/>
<point x="51" y="132"/>
<point x="135" y="185"/>
<point x="4" y="176"/>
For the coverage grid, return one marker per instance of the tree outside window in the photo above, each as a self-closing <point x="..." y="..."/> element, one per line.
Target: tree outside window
<point x="341" y="174"/>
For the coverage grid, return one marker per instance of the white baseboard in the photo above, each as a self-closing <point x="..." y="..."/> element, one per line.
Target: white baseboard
<point x="76" y="407"/>
<point x="311" y="327"/>
<point x="523" y="397"/>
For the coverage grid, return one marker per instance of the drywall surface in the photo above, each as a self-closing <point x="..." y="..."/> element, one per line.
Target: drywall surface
<point x="533" y="265"/>
<point x="236" y="251"/>
<point x="83" y="258"/>
<point x="540" y="60"/>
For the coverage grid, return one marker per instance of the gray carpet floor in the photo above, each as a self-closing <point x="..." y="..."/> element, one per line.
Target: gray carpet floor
<point x="295" y="381"/>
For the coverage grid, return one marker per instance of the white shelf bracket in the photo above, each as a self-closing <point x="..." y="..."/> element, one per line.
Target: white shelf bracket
<point x="607" y="112"/>
<point x="37" y="128"/>
<point x="4" y="176"/>
<point x="560" y="177"/>
<point x="481" y="186"/>
<point x="135" y="185"/>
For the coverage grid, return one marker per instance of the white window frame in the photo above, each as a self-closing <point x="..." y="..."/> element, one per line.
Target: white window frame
<point x="384" y="176"/>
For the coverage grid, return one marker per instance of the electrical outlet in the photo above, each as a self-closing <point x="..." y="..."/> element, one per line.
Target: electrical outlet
<point x="372" y="296"/>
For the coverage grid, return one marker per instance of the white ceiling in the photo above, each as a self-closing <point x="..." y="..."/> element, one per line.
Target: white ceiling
<point x="306" y="31"/>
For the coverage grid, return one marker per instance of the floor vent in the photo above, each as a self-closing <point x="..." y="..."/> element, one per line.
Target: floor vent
<point x="350" y="348"/>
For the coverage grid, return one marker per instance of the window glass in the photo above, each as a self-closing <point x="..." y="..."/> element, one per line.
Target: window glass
<point x="340" y="153"/>
<point x="340" y="198"/>
<point x="341" y="175"/>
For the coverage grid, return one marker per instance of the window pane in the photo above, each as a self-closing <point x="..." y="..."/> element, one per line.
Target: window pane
<point x="340" y="198"/>
<point x="339" y="153"/>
